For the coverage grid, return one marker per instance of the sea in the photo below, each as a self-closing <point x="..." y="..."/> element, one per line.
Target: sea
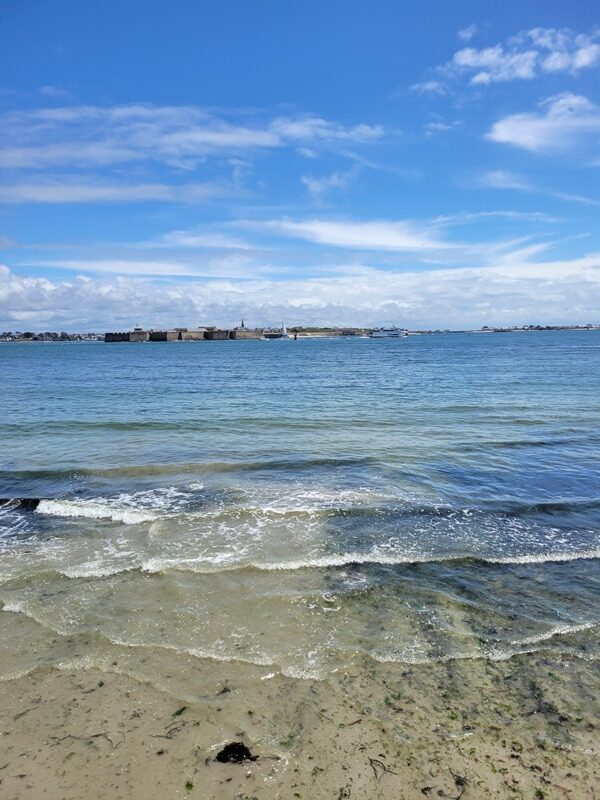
<point x="299" y="506"/>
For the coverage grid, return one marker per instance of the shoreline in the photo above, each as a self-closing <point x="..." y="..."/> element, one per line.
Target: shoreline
<point x="520" y="728"/>
<point x="324" y="333"/>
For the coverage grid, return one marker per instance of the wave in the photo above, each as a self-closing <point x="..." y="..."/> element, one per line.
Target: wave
<point x="551" y="506"/>
<point x="490" y="652"/>
<point x="13" y="503"/>
<point x="94" y="510"/>
<point x="203" y="425"/>
<point x="210" y="655"/>
<point x="544" y="558"/>
<point x="139" y="507"/>
<point x="492" y="655"/>
<point x="512" y="444"/>
<point x="142" y="470"/>
<point x="159" y="565"/>
<point x="259" y="660"/>
<point x="558" y="630"/>
<point x="13" y="606"/>
<point x="219" y="564"/>
<point x="94" y="570"/>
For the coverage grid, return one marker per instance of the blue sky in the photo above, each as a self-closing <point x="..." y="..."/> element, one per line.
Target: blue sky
<point x="433" y="164"/>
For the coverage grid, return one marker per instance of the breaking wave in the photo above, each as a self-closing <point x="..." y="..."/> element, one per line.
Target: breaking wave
<point x="94" y="510"/>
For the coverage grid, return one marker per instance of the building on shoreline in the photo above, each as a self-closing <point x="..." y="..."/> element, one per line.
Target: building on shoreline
<point x="207" y="333"/>
<point x="240" y="332"/>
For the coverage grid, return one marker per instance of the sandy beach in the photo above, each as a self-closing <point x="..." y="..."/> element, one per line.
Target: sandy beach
<point x="522" y="728"/>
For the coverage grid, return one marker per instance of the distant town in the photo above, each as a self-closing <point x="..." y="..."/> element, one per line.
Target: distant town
<point x="213" y="333"/>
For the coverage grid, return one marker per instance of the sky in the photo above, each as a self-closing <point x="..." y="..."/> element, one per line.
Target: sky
<point x="184" y="163"/>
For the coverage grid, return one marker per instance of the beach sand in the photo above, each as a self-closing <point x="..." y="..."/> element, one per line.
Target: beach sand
<point x="521" y="728"/>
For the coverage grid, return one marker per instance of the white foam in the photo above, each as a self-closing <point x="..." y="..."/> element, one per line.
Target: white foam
<point x="94" y="570"/>
<point x="345" y="559"/>
<point x="16" y="607"/>
<point x="225" y="562"/>
<point x="13" y="606"/>
<point x="558" y="630"/>
<point x="546" y="558"/>
<point x="483" y="655"/>
<point x="15" y="676"/>
<point x="488" y="653"/>
<point x="94" y="510"/>
<point x="230" y="561"/>
<point x="210" y="655"/>
<point x="219" y="563"/>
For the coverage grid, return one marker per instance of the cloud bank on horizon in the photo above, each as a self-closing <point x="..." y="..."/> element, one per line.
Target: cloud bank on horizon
<point x="204" y="172"/>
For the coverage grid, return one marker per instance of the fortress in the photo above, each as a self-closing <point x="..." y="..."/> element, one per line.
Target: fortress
<point x="195" y="334"/>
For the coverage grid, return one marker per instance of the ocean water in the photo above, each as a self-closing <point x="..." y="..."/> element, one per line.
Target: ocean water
<point x="300" y="506"/>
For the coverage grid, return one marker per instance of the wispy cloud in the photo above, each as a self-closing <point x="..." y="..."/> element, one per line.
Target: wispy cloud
<point x="55" y="92"/>
<point x="466" y="217"/>
<point x="429" y="87"/>
<point x="439" y="125"/>
<point x="379" y="235"/>
<point x="67" y="190"/>
<point x="466" y="34"/>
<point x="426" y="242"/>
<point x="319" y="187"/>
<point x="199" y="240"/>
<point x="562" y="121"/>
<point x="95" y="135"/>
<point x="506" y="179"/>
<point x="219" y="267"/>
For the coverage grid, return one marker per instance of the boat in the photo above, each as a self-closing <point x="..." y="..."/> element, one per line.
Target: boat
<point x="280" y="334"/>
<point x="388" y="333"/>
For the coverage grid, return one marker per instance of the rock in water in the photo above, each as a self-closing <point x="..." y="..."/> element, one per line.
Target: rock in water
<point x="235" y="753"/>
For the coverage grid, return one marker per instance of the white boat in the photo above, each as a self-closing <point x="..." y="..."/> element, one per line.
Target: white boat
<point x="274" y="334"/>
<point x="388" y="333"/>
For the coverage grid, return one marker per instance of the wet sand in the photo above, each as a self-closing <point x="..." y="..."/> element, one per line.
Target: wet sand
<point x="521" y="728"/>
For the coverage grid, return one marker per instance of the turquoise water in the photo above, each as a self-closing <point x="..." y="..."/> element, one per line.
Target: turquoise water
<point x="298" y="505"/>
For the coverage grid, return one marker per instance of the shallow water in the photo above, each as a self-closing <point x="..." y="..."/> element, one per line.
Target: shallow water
<point x="300" y="506"/>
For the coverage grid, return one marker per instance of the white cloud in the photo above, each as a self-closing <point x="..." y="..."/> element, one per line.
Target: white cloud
<point x="528" y="55"/>
<point x="493" y="64"/>
<point x="199" y="240"/>
<point x="429" y="87"/>
<point x="505" y="179"/>
<point x="74" y="153"/>
<point x="466" y="34"/>
<point x="55" y="92"/>
<point x="562" y="122"/>
<point x="307" y="152"/>
<point x="438" y="126"/>
<point x="315" y="129"/>
<point x="513" y="291"/>
<point x="321" y="186"/>
<point x="565" y="51"/>
<point x="67" y="190"/>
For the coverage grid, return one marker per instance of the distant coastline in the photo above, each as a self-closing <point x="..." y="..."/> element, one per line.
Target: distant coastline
<point x="300" y="332"/>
